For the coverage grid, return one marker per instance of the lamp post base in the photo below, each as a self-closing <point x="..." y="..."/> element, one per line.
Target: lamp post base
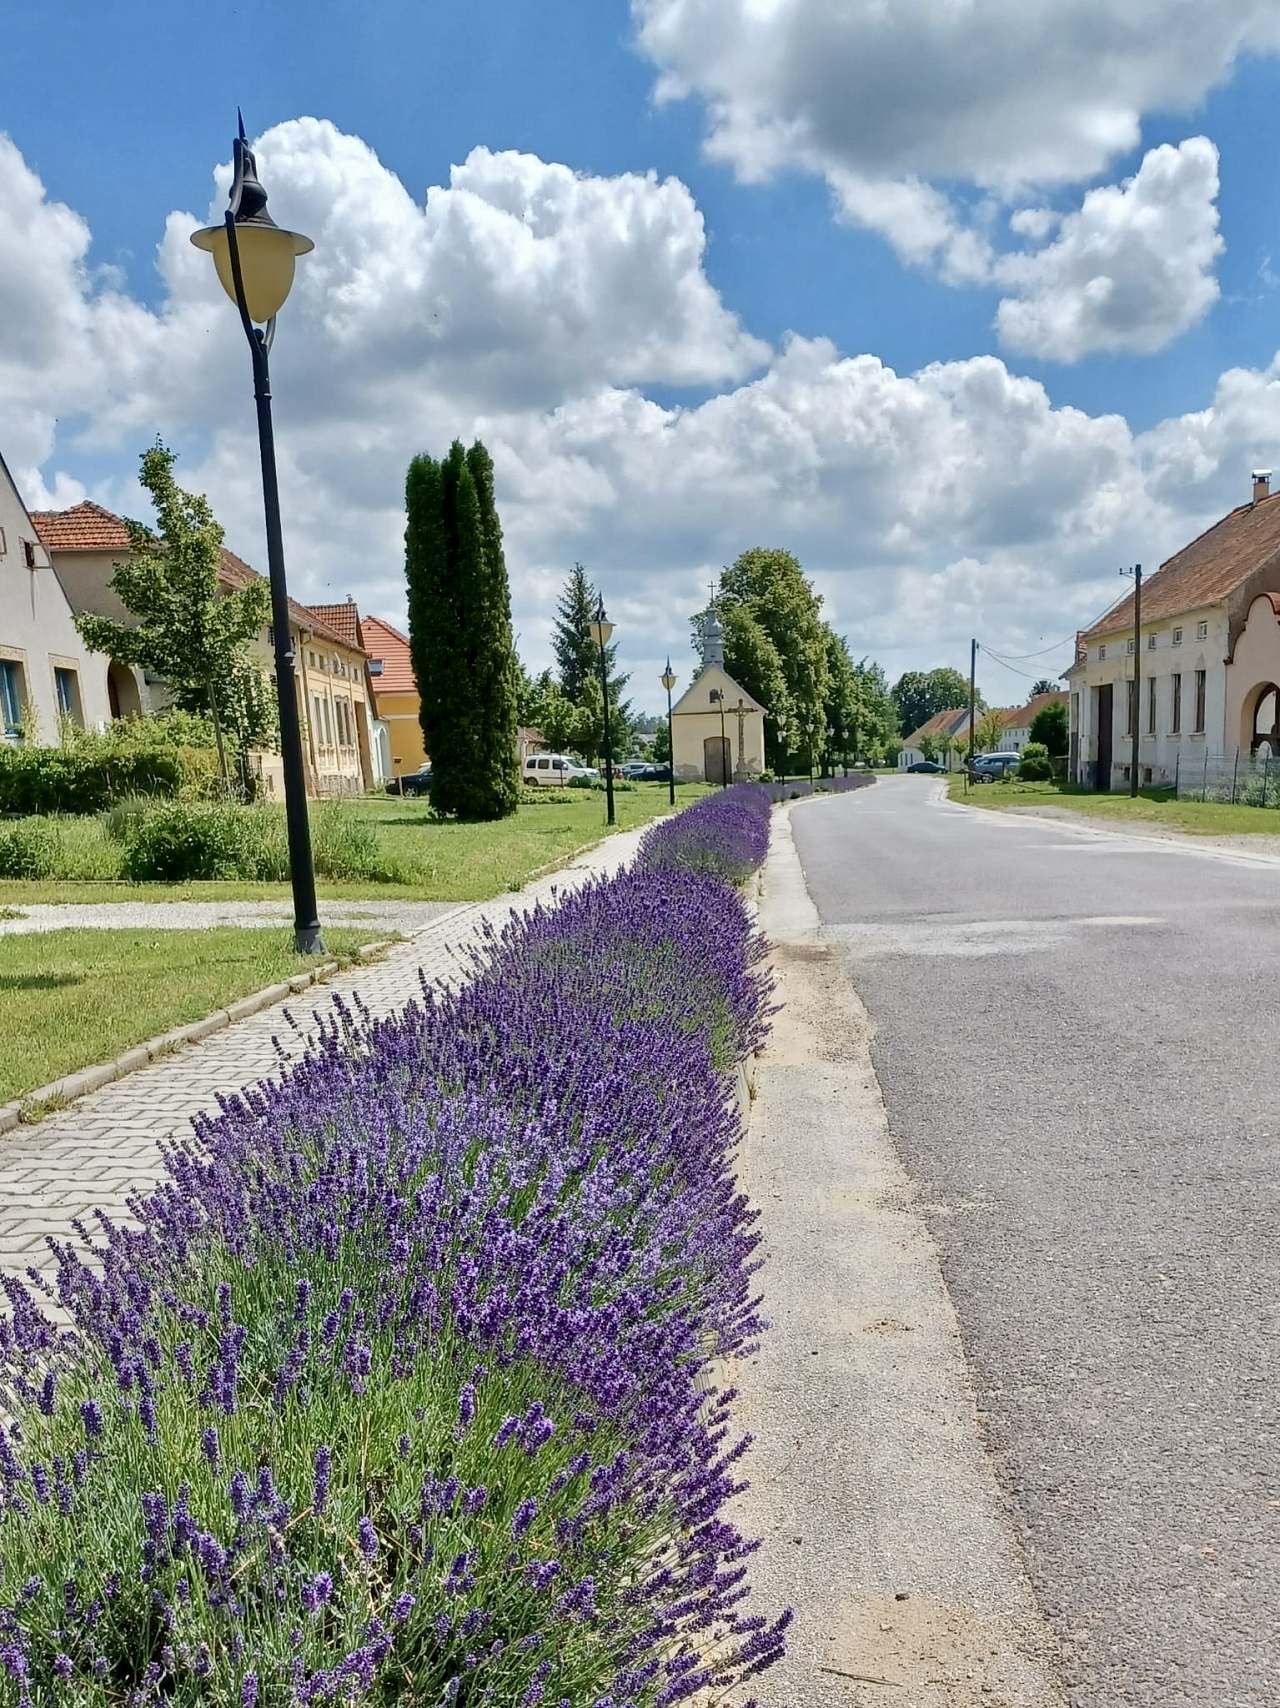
<point x="308" y="940"/>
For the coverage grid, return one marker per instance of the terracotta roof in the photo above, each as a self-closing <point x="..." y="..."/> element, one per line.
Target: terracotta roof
<point x="1021" y="717"/>
<point x="343" y="619"/>
<point x="383" y="641"/>
<point x="941" y="723"/>
<point x="88" y="527"/>
<point x="1205" y="572"/>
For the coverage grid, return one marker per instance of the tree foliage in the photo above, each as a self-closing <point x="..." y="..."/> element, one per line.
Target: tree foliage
<point x="1036" y="766"/>
<point x="189" y="632"/>
<point x="578" y="668"/>
<point x="921" y="694"/>
<point x="1045" y="685"/>
<point x="460" y="633"/>
<point x="1049" y="726"/>
<point x="989" y="734"/>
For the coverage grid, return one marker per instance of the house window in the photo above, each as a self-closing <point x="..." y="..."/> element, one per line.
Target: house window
<point x="1175" y="706"/>
<point x="1199" y="729"/>
<point x="1102" y="652"/>
<point x="1130" y="704"/>
<point x="1128" y="646"/>
<point x="328" y="725"/>
<point x="12" y="699"/>
<point x="1151" y="643"/>
<point x="1177" y="637"/>
<point x="67" y="689"/>
<point x="29" y="553"/>
<point x="4" y="544"/>
<point x="1202" y="631"/>
<point x="1151" y="705"/>
<point x="318" y="720"/>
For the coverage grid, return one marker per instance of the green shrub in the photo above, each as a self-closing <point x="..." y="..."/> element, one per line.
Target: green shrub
<point x="344" y="845"/>
<point x="29" y="849"/>
<point x="178" y="840"/>
<point x="545" y="797"/>
<point x="1035" y="765"/>
<point x="162" y="757"/>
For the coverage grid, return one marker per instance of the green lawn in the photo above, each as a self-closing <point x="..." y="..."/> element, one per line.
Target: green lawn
<point x="446" y="861"/>
<point x="1152" y="806"/>
<point x="69" y="999"/>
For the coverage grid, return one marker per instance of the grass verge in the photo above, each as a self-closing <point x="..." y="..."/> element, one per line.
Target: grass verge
<point x="443" y="861"/>
<point x="69" y="999"/>
<point x="1152" y="806"/>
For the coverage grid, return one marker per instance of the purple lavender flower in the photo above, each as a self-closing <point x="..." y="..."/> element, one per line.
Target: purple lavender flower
<point x="367" y="1539"/>
<point x="402" y="1608"/>
<point x="91" y="1417"/>
<point x="466" y="1406"/>
<point x="210" y="1447"/>
<point x="249" y="1691"/>
<point x="320" y="1485"/>
<point x="524" y="1516"/>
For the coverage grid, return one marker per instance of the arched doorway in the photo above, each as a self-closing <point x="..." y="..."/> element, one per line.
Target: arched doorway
<point x="1265" y="725"/>
<point x="716" y="763"/>
<point x="122" y="691"/>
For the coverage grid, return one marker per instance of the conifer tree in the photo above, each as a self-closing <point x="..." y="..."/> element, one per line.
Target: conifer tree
<point x="460" y="633"/>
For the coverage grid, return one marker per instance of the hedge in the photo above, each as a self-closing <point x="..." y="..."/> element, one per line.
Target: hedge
<point x="402" y="1388"/>
<point x="92" y="770"/>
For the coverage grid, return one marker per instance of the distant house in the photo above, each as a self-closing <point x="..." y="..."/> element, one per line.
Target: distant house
<point x="1208" y="659"/>
<point x="46" y="672"/>
<point x="1018" y="722"/>
<point x="87" y="541"/>
<point x="952" y="725"/>
<point x="395" y="694"/>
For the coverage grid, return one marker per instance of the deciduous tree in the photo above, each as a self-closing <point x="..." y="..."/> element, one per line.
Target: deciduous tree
<point x="921" y="694"/>
<point x="1050" y="726"/>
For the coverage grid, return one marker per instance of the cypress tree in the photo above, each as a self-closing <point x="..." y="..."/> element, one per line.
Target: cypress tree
<point x="460" y="633"/>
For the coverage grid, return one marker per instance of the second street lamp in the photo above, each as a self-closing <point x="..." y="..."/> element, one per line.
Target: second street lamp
<point x="601" y="632"/>
<point x="668" y="682"/>
<point x="255" y="259"/>
<point x="782" y="748"/>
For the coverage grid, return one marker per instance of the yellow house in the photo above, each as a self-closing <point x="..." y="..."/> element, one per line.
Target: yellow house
<point x="86" y="542"/>
<point x="395" y="694"/>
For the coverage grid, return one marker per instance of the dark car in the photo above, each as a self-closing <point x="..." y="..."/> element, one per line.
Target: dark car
<point x="653" y="774"/>
<point x="634" y="768"/>
<point x="928" y="767"/>
<point x="412" y="783"/>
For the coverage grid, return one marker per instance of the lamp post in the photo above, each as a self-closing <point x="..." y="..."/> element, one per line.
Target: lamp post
<point x="668" y="682"/>
<point x="255" y="259"/>
<point x="782" y="748"/>
<point x="714" y="695"/>
<point x="601" y="631"/>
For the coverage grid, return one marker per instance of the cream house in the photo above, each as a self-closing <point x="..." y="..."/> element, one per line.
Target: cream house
<point x="1207" y="656"/>
<point x="717" y="727"/>
<point x="330" y="666"/>
<point x="947" y="733"/>
<point x="46" y="672"/>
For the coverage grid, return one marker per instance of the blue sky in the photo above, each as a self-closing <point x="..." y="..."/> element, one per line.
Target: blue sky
<point x="128" y="108"/>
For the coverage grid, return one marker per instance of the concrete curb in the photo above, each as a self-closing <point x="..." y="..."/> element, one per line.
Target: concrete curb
<point x="60" y="1092"/>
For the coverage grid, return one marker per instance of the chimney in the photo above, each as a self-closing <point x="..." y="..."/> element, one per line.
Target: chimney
<point x="1261" y="484"/>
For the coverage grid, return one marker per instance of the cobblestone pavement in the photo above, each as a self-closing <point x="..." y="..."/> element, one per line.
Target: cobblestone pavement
<point x="401" y="916"/>
<point x="99" y="1150"/>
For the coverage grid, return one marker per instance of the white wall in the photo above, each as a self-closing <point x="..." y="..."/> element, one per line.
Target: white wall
<point x="36" y="631"/>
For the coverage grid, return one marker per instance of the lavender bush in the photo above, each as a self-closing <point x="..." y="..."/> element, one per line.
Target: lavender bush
<point x="398" y="1392"/>
<point x="726" y="834"/>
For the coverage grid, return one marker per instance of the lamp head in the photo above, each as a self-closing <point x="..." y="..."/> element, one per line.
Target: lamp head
<point x="601" y="630"/>
<point x="267" y="252"/>
<point x="668" y="678"/>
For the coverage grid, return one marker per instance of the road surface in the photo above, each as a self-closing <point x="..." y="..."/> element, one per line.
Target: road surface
<point x="1078" y="1041"/>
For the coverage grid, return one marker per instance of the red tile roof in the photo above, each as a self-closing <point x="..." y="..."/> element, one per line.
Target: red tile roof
<point x="383" y="641"/>
<point x="1207" y="571"/>
<point x="1021" y="717"/>
<point x="88" y="527"/>
<point x="343" y="619"/>
<point x="941" y="723"/>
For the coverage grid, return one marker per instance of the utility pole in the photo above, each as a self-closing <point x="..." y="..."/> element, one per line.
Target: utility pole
<point x="1135" y="712"/>
<point x="973" y="702"/>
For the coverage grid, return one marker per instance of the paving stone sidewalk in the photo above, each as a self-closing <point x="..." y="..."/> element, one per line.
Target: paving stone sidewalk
<point x="99" y="1150"/>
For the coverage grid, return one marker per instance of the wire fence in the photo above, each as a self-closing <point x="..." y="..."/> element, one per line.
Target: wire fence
<point x="1234" y="778"/>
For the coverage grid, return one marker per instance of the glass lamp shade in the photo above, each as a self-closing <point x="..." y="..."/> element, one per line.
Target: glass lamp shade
<point x="668" y="680"/>
<point x="601" y="632"/>
<point x="267" y="255"/>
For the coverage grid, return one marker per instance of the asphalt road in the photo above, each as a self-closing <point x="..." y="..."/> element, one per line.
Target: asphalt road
<point x="1078" y="1040"/>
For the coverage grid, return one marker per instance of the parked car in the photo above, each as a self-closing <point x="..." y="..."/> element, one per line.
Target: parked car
<point x="412" y="782"/>
<point x="549" y="770"/>
<point x="927" y="768"/>
<point x="655" y="774"/>
<point x="634" y="768"/>
<point x="990" y="767"/>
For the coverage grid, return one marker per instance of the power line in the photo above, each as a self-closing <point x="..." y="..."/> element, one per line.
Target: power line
<point x="1030" y="675"/>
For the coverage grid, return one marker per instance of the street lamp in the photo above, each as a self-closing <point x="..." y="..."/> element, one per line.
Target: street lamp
<point x="255" y="259"/>
<point x="714" y="695"/>
<point x="782" y="748"/>
<point x="668" y="682"/>
<point x="601" y="631"/>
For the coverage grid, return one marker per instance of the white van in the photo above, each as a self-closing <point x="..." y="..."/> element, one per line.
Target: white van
<point x="549" y="770"/>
